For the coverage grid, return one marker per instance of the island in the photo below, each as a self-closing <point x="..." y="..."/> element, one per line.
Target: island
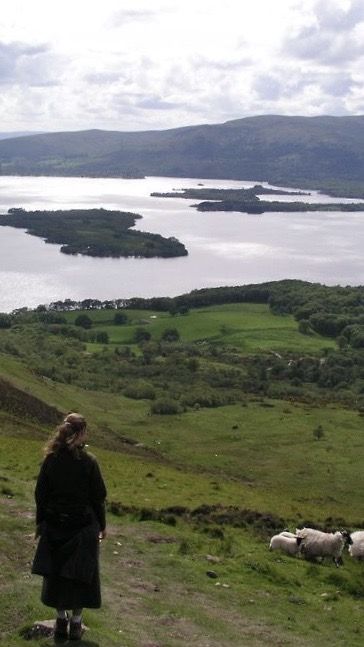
<point x="94" y="232"/>
<point x="226" y="194"/>
<point x="248" y="201"/>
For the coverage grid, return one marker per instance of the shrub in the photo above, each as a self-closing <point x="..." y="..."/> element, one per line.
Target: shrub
<point x="140" y="391"/>
<point x="204" y="397"/>
<point x="165" y="406"/>
<point x="67" y="331"/>
<point x="318" y="432"/>
<point x="193" y="364"/>
<point x="123" y="351"/>
<point x="52" y="318"/>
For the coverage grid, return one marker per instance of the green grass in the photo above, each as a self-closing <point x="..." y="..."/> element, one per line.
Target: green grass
<point x="156" y="591"/>
<point x="249" y="327"/>
<point x="259" y="448"/>
<point x="260" y="455"/>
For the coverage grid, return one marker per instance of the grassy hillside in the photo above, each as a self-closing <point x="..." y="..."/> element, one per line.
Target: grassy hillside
<point x="193" y="497"/>
<point x="314" y="152"/>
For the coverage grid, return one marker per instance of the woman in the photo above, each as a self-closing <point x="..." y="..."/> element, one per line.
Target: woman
<point x="70" y="499"/>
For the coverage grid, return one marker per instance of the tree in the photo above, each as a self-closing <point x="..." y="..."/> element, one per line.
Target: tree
<point x="102" y="337"/>
<point x="170" y="334"/>
<point x="84" y="321"/>
<point x="120" y="318"/>
<point x="183" y="310"/>
<point x="141" y="335"/>
<point x="304" y="327"/>
<point x="5" y="320"/>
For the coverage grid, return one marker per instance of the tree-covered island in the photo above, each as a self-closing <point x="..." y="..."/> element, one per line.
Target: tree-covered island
<point x="94" y="232"/>
<point x="226" y="194"/>
<point x="248" y="201"/>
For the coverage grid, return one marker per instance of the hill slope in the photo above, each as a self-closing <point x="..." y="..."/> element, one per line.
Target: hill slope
<point x="323" y="152"/>
<point x="193" y="497"/>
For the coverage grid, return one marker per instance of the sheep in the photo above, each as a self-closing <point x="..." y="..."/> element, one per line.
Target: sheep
<point x="356" y="548"/>
<point x="316" y="543"/>
<point x="306" y="532"/>
<point x="287" y="533"/>
<point x="286" y="541"/>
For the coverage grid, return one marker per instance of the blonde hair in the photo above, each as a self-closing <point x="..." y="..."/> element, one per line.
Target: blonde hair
<point x="67" y="435"/>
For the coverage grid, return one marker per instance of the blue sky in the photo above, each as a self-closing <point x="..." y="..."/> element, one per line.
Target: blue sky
<point x="141" y="65"/>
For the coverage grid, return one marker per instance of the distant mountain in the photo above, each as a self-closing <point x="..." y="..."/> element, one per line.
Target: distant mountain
<point x="318" y="152"/>
<point x="19" y="133"/>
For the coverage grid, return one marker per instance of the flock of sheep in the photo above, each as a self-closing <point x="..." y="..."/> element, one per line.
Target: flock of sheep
<point x="314" y="543"/>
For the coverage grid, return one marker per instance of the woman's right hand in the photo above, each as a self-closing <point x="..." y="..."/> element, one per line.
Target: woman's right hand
<point x="38" y="531"/>
<point x="102" y="534"/>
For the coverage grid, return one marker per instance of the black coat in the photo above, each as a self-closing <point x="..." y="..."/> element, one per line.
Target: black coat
<point x="70" y="497"/>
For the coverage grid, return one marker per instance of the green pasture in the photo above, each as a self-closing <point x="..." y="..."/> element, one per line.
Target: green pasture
<point x="155" y="588"/>
<point x="273" y="453"/>
<point x="249" y="327"/>
<point x="155" y="584"/>
<point x="260" y="455"/>
<point x="263" y="455"/>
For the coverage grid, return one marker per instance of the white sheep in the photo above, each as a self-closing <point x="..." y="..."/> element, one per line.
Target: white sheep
<point x="306" y="532"/>
<point x="287" y="533"/>
<point x="287" y="542"/>
<point x="316" y="543"/>
<point x="356" y="548"/>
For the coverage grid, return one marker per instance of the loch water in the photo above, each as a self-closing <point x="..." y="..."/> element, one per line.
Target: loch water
<point x="223" y="248"/>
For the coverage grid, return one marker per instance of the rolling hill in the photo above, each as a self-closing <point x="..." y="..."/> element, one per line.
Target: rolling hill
<point x="317" y="152"/>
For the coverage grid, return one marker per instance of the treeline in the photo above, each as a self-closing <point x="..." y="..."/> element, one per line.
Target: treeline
<point x="331" y="311"/>
<point x="195" y="299"/>
<point x="67" y="168"/>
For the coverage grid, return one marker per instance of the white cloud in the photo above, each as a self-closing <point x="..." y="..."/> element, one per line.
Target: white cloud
<point x="71" y="65"/>
<point x="333" y="37"/>
<point x="25" y="64"/>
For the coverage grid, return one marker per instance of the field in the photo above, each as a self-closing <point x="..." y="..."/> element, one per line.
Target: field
<point x="193" y="499"/>
<point x="248" y="326"/>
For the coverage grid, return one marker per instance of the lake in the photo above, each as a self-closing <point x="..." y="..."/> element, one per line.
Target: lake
<point x="224" y="248"/>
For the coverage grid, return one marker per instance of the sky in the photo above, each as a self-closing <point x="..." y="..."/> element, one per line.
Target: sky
<point x="157" y="64"/>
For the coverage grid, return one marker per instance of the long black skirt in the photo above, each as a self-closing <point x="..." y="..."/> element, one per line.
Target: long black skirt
<point x="68" y="560"/>
<point x="63" y="593"/>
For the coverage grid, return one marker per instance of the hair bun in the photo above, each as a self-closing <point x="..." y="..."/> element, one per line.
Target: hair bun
<point x="75" y="420"/>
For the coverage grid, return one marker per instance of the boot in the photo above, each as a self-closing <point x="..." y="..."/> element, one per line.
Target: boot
<point x="76" y="630"/>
